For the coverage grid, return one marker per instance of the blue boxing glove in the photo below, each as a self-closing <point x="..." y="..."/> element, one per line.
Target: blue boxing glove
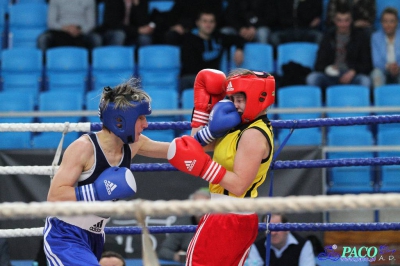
<point x="112" y="184"/>
<point x="223" y="117"/>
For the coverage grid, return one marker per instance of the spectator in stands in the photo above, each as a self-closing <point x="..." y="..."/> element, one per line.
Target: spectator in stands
<point x="385" y="46"/>
<point x="4" y="252"/>
<point x="175" y="245"/>
<point x="250" y="19"/>
<point x="111" y="258"/>
<point x="126" y="22"/>
<point x="344" y="54"/>
<point x="70" y="23"/>
<point x="363" y="13"/>
<point x="182" y="17"/>
<point x="203" y="48"/>
<point x="298" y="21"/>
<point x="287" y="248"/>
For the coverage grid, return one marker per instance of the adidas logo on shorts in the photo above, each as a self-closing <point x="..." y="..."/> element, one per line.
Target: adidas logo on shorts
<point x="97" y="227"/>
<point x="110" y="186"/>
<point x="190" y="164"/>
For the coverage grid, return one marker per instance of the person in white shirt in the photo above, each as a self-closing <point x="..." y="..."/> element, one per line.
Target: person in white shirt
<point x="287" y="248"/>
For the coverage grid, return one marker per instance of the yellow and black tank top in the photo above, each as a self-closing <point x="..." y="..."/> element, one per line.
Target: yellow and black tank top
<point x="225" y="152"/>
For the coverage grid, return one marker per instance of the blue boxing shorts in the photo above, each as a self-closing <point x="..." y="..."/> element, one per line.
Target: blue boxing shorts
<point x="66" y="244"/>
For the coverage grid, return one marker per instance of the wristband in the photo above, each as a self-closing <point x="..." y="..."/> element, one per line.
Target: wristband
<point x="200" y="117"/>
<point x="86" y="193"/>
<point x="204" y="136"/>
<point x="214" y="173"/>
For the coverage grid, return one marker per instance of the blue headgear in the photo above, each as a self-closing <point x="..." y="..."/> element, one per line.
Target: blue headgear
<point x="121" y="121"/>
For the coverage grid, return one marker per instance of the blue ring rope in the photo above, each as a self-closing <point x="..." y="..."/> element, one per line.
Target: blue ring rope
<point x="134" y="230"/>
<point x="295" y="164"/>
<point x="301" y="123"/>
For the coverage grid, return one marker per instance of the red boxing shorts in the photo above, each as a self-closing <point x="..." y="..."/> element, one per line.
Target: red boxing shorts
<point x="222" y="239"/>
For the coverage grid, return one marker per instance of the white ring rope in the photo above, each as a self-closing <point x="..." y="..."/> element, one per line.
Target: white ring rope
<point x="289" y="204"/>
<point x="44" y="127"/>
<point x="187" y="207"/>
<point x="28" y="170"/>
<point x="21" y="232"/>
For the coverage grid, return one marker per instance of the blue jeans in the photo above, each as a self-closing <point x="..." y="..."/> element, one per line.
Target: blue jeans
<point x="323" y="81"/>
<point x="118" y="37"/>
<point x="262" y="33"/>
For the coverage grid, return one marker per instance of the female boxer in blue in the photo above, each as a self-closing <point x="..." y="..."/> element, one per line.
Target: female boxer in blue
<point x="96" y="167"/>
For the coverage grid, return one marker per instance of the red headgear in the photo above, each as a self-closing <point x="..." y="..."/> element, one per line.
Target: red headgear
<point x="259" y="90"/>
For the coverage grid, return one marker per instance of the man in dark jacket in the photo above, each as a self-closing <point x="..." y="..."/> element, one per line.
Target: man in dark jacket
<point x="344" y="55"/>
<point x="298" y="21"/>
<point x="183" y="15"/>
<point x="126" y="22"/>
<point x="203" y="48"/>
<point x="250" y="19"/>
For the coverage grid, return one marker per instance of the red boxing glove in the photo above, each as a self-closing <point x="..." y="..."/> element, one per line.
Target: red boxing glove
<point x="208" y="90"/>
<point x="187" y="155"/>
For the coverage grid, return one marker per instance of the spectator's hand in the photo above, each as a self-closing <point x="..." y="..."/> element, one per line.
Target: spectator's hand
<point x="238" y="57"/>
<point x="347" y="76"/>
<point x="178" y="28"/>
<point x="73" y="30"/>
<point x="180" y="256"/>
<point x="393" y="69"/>
<point x="362" y="23"/>
<point x="146" y="29"/>
<point x="247" y="33"/>
<point x="315" y="22"/>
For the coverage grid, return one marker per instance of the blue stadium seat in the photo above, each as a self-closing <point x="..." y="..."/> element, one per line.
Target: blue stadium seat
<point x="100" y="12"/>
<point x="387" y="96"/>
<point x="155" y="87"/>
<point x="303" y="53"/>
<point x="348" y="96"/>
<point x="162" y="100"/>
<point x="22" y="70"/>
<point x="112" y="65"/>
<point x="67" y="68"/>
<point x="58" y="101"/>
<point x="324" y="11"/>
<point x="29" y="1"/>
<point x="389" y="179"/>
<point x="5" y="5"/>
<point x="380" y="6"/>
<point x="161" y="5"/>
<point x="3" y="26"/>
<point x="26" y="22"/>
<point x="92" y="101"/>
<point x="355" y="179"/>
<point x="24" y="38"/>
<point x="159" y="64"/>
<point x="17" y="101"/>
<point x="300" y="96"/>
<point x="351" y="179"/>
<point x="187" y="100"/>
<point x="28" y="15"/>
<point x="224" y="64"/>
<point x="257" y="56"/>
<point x="11" y="101"/>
